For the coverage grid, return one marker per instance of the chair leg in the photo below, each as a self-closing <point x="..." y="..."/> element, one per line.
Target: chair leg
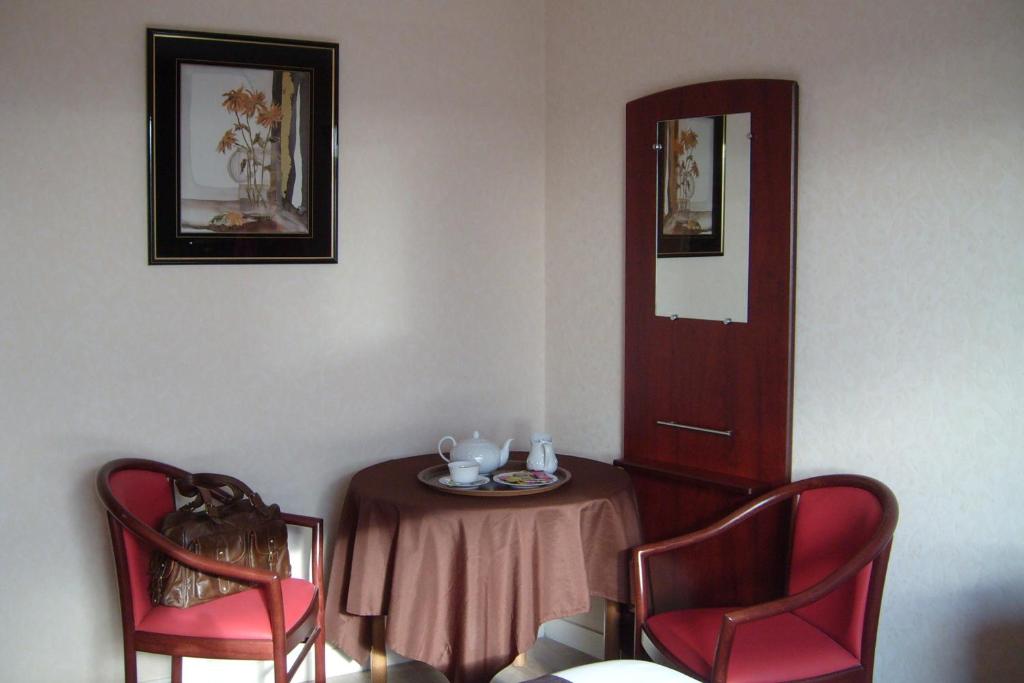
<point x="612" y="626"/>
<point x="320" y="654"/>
<point x="280" y="669"/>
<point x="131" y="674"/>
<point x="175" y="669"/>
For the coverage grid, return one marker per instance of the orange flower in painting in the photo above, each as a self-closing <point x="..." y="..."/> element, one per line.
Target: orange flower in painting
<point x="688" y="137"/>
<point x="228" y="141"/>
<point x="269" y="116"/>
<point x="257" y="100"/>
<point x="237" y="101"/>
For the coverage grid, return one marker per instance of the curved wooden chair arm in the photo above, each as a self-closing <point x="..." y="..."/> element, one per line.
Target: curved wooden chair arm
<point x="704" y="534"/>
<point x="809" y="595"/>
<point x="643" y="553"/>
<point x="732" y="620"/>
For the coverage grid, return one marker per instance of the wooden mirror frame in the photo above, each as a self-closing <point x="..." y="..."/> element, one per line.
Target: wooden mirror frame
<point x="733" y="382"/>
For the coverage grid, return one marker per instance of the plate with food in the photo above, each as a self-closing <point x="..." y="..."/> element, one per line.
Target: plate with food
<point x="525" y="479"/>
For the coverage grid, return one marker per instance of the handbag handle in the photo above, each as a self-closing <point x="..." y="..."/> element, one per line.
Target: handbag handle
<point x="208" y="489"/>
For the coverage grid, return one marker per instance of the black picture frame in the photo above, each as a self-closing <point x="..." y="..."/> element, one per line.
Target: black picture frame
<point x="266" y="189"/>
<point x="692" y="226"/>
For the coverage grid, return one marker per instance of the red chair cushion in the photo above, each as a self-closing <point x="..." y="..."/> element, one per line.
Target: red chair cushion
<point x="832" y="524"/>
<point x="242" y="615"/>
<point x="148" y="496"/>
<point x="782" y="648"/>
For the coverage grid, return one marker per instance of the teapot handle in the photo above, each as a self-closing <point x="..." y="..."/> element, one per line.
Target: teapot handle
<point x="444" y="457"/>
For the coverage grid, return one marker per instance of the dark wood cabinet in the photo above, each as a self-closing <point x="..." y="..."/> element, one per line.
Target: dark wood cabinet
<point x="732" y="381"/>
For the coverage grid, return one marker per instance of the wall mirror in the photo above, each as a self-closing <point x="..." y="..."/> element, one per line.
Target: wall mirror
<point x="703" y="217"/>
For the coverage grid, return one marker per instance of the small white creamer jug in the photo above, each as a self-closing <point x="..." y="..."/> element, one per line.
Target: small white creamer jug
<point x="542" y="454"/>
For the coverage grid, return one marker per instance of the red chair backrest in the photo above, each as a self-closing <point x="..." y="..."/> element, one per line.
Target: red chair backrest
<point x="148" y="496"/>
<point x="831" y="525"/>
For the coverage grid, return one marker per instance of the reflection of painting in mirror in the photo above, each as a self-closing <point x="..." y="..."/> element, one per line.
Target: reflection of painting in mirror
<point x="690" y="164"/>
<point x="715" y="288"/>
<point x="244" y="150"/>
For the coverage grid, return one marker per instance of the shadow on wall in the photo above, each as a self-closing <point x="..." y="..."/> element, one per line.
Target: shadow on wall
<point x="997" y="629"/>
<point x="998" y="651"/>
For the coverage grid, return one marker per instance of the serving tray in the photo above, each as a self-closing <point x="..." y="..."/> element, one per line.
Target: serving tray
<point x="492" y="489"/>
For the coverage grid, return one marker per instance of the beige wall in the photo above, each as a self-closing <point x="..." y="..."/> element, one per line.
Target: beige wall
<point x="909" y="275"/>
<point x="294" y="377"/>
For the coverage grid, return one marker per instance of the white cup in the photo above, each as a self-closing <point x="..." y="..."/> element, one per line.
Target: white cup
<point x="464" y="471"/>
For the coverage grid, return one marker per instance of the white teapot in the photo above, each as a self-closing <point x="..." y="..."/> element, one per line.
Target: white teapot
<point x="480" y="450"/>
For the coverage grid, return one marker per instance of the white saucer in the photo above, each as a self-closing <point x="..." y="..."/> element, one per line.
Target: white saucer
<point x="447" y="481"/>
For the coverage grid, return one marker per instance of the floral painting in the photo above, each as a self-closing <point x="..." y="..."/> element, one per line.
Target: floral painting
<point x="242" y="148"/>
<point x="243" y="165"/>
<point x="690" y="166"/>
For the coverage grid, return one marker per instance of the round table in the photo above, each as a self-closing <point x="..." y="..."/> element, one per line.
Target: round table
<point x="466" y="581"/>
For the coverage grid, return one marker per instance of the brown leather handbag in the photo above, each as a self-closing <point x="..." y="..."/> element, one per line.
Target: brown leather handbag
<point x="233" y="526"/>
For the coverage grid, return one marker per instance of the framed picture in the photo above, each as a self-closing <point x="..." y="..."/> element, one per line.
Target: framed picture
<point x="243" y="139"/>
<point x="691" y="155"/>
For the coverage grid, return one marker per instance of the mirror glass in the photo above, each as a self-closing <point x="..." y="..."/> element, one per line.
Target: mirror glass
<point x="703" y="222"/>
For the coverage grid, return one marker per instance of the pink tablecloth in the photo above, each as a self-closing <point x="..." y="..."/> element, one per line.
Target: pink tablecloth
<point x="467" y="581"/>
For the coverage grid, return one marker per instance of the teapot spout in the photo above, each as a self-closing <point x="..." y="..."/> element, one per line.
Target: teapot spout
<point x="504" y="453"/>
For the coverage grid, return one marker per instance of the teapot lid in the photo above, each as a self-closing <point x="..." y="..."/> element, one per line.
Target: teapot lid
<point x="477" y="440"/>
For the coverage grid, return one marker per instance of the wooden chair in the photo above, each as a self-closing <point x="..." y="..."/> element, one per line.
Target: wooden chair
<point x="265" y="622"/>
<point x="823" y="629"/>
